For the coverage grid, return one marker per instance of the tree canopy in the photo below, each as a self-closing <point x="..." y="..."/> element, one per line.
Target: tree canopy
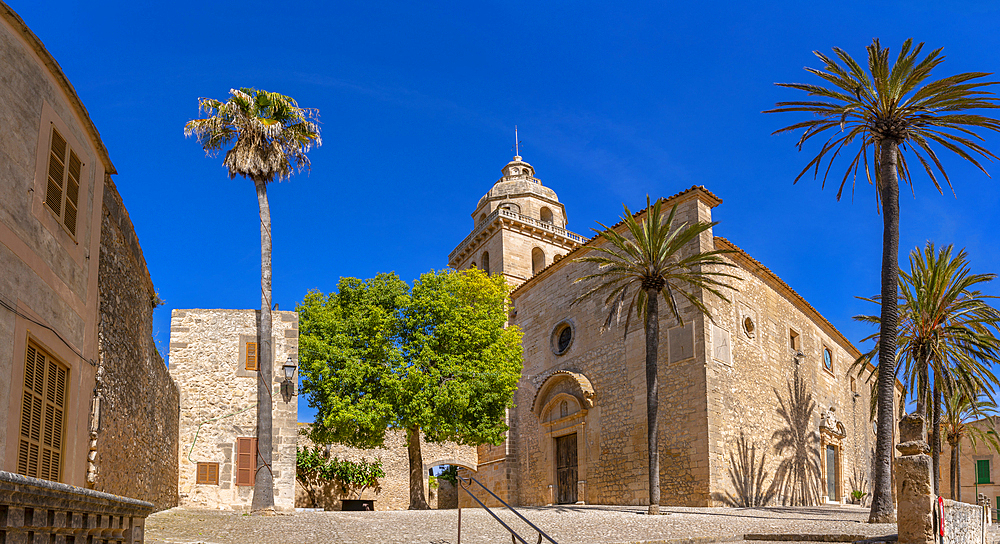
<point x="376" y="355"/>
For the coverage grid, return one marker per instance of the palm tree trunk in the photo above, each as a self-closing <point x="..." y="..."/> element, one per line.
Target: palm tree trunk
<point x="956" y="490"/>
<point x="882" y="510"/>
<point x="263" y="488"/>
<point x="936" y="439"/>
<point x="417" y="500"/>
<point x="652" y="398"/>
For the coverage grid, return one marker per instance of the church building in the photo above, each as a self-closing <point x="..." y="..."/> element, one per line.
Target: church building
<point x="756" y="404"/>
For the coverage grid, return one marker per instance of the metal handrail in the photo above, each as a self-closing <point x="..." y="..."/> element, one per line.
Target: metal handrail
<point x="514" y="537"/>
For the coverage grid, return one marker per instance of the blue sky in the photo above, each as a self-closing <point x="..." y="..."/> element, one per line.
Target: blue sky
<point x="419" y="102"/>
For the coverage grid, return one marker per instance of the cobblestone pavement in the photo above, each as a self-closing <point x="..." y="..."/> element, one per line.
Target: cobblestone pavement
<point x="566" y="525"/>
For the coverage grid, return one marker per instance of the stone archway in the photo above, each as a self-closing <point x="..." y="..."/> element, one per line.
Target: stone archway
<point x="561" y="405"/>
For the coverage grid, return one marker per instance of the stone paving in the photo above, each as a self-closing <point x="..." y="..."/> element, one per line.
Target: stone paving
<point x="566" y="525"/>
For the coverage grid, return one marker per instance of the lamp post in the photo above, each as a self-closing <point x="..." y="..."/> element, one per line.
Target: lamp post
<point x="287" y="386"/>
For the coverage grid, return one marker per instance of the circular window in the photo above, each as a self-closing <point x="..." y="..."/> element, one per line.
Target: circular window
<point x="749" y="327"/>
<point x="562" y="337"/>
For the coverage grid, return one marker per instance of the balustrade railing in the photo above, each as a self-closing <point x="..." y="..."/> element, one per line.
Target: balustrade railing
<point x="33" y="510"/>
<point x="500" y="212"/>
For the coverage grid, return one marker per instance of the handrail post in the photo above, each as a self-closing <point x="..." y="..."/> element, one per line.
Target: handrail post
<point x="459" y="524"/>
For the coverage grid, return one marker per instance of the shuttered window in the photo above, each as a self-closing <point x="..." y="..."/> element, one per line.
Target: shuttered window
<point x="43" y="404"/>
<point x="246" y="460"/>
<point x="983" y="471"/>
<point x="208" y="473"/>
<point x="252" y="355"/>
<point x="62" y="189"/>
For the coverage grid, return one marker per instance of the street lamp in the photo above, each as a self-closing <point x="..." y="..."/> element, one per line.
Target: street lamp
<point x="287" y="386"/>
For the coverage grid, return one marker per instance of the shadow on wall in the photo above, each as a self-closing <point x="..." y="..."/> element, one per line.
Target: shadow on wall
<point x="747" y="474"/>
<point x="797" y="479"/>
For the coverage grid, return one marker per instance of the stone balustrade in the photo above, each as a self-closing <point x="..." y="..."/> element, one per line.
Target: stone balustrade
<point x="520" y="218"/>
<point x="33" y="510"/>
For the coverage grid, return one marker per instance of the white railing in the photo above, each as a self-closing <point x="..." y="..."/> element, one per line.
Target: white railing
<point x="500" y="212"/>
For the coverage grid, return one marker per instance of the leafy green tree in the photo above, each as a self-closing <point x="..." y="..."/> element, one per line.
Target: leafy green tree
<point x="963" y="419"/>
<point x="887" y="110"/>
<point x="436" y="360"/>
<point x="946" y="336"/>
<point x="653" y="260"/>
<point x="269" y="135"/>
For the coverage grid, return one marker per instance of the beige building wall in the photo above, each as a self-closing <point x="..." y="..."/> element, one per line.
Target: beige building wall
<point x="968" y="477"/>
<point x="393" y="492"/>
<point x="74" y="287"/>
<point x="218" y="399"/>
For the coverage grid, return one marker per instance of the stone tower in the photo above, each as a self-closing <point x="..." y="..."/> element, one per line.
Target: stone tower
<point x="519" y="228"/>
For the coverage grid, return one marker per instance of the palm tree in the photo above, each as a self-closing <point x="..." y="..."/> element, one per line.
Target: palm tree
<point x="961" y="415"/>
<point x="947" y="334"/>
<point x="642" y="268"/>
<point x="270" y="135"/>
<point x="887" y="110"/>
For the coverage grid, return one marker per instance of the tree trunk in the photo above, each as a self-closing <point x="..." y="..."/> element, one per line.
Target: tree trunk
<point x="882" y="510"/>
<point x="652" y="399"/>
<point x="417" y="500"/>
<point x="955" y="472"/>
<point x="263" y="488"/>
<point x="936" y="439"/>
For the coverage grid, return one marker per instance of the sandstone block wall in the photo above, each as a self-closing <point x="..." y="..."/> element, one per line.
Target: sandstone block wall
<point x="964" y="523"/>
<point x="394" y="492"/>
<point x="218" y="403"/>
<point x="136" y="440"/>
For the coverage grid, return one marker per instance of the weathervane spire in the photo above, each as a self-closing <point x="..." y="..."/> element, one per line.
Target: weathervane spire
<point x="517" y="143"/>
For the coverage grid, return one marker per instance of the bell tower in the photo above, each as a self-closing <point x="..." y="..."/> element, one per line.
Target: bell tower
<point x="519" y="227"/>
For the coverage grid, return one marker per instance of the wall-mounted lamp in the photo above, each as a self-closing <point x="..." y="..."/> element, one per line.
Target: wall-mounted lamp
<point x="798" y="356"/>
<point x="288" y="386"/>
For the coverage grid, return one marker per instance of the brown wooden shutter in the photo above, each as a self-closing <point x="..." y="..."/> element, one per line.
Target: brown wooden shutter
<point x="43" y="403"/>
<point x="72" y="193"/>
<point x="246" y="460"/>
<point x="251" y="355"/>
<point x="208" y="473"/>
<point x="57" y="173"/>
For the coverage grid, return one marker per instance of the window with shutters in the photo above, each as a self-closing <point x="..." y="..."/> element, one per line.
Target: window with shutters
<point x="246" y="460"/>
<point x="252" y="355"/>
<point x="43" y="405"/>
<point x="983" y="471"/>
<point x="62" y="188"/>
<point x="208" y="474"/>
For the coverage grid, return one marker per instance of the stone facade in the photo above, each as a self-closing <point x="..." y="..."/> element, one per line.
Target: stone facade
<point x="218" y="399"/>
<point x="766" y="378"/>
<point x="75" y="296"/>
<point x="394" y="489"/>
<point x="134" y="389"/>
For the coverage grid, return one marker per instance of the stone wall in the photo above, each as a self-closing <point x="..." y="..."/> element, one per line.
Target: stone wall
<point x="394" y="488"/>
<point x="968" y="459"/>
<point x="134" y="444"/>
<point x="964" y="523"/>
<point x="218" y="399"/>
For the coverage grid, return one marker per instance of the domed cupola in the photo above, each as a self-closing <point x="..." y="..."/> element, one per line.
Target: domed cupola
<point x="517" y="169"/>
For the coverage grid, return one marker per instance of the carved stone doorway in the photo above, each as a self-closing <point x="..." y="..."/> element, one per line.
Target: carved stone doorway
<point x="566" y="469"/>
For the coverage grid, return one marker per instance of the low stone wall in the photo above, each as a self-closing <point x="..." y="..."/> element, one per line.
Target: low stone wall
<point x="964" y="523"/>
<point x="394" y="488"/>
<point x="134" y="426"/>
<point x="33" y="508"/>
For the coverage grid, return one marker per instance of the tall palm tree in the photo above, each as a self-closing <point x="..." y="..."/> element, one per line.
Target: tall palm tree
<point x="888" y="110"/>
<point x="270" y="135"/>
<point x="947" y="334"/>
<point x="964" y="417"/>
<point x="652" y="262"/>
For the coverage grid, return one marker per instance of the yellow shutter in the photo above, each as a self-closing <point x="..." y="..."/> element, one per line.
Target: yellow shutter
<point x="39" y="453"/>
<point x="251" y="355"/>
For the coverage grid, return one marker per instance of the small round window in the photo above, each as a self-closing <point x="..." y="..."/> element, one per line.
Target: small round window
<point x="562" y="338"/>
